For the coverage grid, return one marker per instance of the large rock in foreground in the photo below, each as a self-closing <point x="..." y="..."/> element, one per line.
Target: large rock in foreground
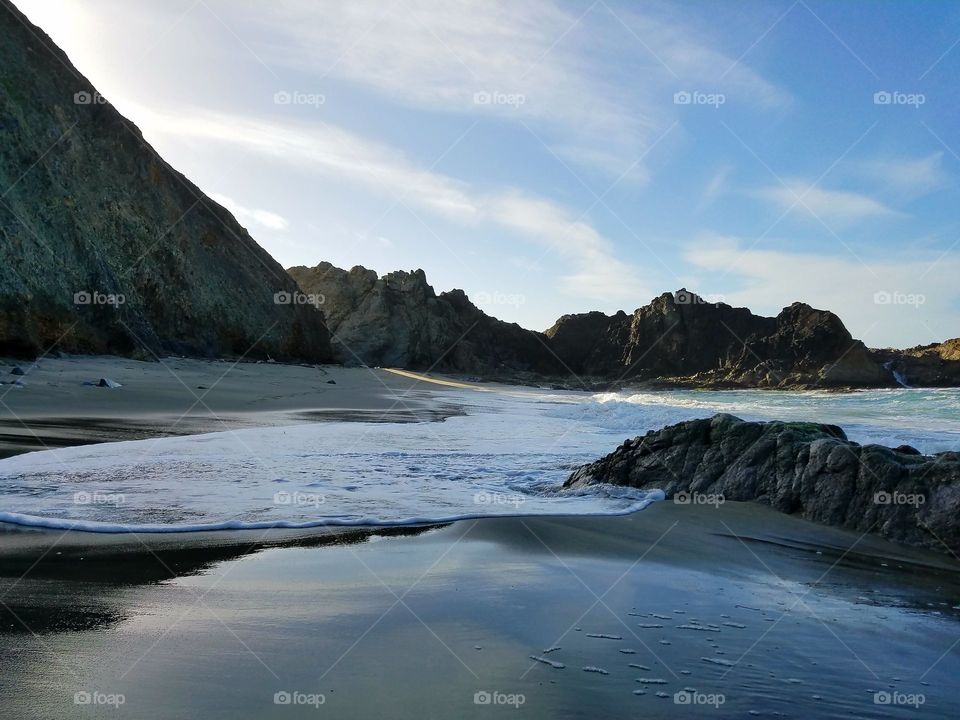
<point x="801" y="468"/>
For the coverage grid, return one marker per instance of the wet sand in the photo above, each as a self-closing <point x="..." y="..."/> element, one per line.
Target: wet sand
<point x="768" y="613"/>
<point x="183" y="396"/>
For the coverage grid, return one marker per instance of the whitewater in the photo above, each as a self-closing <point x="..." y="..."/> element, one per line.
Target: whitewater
<point x="507" y="454"/>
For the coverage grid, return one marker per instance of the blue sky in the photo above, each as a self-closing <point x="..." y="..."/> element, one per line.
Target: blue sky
<point x="561" y="157"/>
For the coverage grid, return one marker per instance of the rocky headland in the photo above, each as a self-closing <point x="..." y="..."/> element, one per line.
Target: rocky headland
<point x="676" y="340"/>
<point x="107" y="249"/>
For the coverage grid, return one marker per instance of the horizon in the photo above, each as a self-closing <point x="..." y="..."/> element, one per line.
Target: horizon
<point x="561" y="158"/>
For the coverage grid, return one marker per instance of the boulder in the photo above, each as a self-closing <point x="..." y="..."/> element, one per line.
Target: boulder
<point x="808" y="469"/>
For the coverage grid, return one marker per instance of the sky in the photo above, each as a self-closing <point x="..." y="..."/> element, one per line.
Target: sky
<point x="559" y="157"/>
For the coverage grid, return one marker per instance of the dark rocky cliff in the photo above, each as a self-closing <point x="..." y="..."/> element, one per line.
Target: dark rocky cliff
<point x="398" y="320"/>
<point x="105" y="248"/>
<point x="678" y="339"/>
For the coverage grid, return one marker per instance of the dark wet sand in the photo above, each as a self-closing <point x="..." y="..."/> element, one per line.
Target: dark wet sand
<point x="413" y="623"/>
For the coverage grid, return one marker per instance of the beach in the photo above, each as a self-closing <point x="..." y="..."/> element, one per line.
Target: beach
<point x="61" y="406"/>
<point x="725" y="610"/>
<point x="753" y="610"/>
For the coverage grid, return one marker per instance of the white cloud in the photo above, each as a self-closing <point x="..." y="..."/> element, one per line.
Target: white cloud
<point x="341" y="156"/>
<point x="263" y="218"/>
<point x="598" y="85"/>
<point x="838" y="206"/>
<point x="902" y="176"/>
<point x="715" y="187"/>
<point x="771" y="280"/>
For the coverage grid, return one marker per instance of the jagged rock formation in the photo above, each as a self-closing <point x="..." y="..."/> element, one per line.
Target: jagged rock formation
<point x="936" y="365"/>
<point x="682" y="339"/>
<point x="104" y="248"/>
<point x="678" y="339"/>
<point x="803" y="468"/>
<point x="398" y="320"/>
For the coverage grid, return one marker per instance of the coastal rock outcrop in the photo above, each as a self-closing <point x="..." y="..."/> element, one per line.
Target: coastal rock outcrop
<point x="807" y="469"/>
<point x="682" y="339"/>
<point x="936" y="365"/>
<point x="105" y="248"/>
<point x="398" y="320"/>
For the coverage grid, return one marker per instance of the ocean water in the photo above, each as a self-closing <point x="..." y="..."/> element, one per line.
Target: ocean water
<point x="508" y="455"/>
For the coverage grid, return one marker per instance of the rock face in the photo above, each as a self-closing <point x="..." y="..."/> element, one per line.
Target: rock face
<point x="678" y="339"/>
<point x="398" y="320"/>
<point x="804" y="468"/>
<point x="925" y="365"/>
<point x="682" y="339"/>
<point x="104" y="248"/>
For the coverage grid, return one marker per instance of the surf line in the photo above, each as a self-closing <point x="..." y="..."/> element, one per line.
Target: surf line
<point x="436" y="381"/>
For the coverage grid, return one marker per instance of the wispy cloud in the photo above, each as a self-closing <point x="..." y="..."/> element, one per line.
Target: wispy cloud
<point x="263" y="218"/>
<point x="872" y="298"/>
<point x="595" y="271"/>
<point x="840" y="206"/>
<point x="559" y="68"/>
<point x="903" y="177"/>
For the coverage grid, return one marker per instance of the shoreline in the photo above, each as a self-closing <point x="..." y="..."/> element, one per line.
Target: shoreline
<point x="792" y="618"/>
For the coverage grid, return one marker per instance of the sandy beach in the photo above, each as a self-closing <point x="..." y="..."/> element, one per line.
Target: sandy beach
<point x="755" y="611"/>
<point x="60" y="406"/>
<point x="674" y="611"/>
